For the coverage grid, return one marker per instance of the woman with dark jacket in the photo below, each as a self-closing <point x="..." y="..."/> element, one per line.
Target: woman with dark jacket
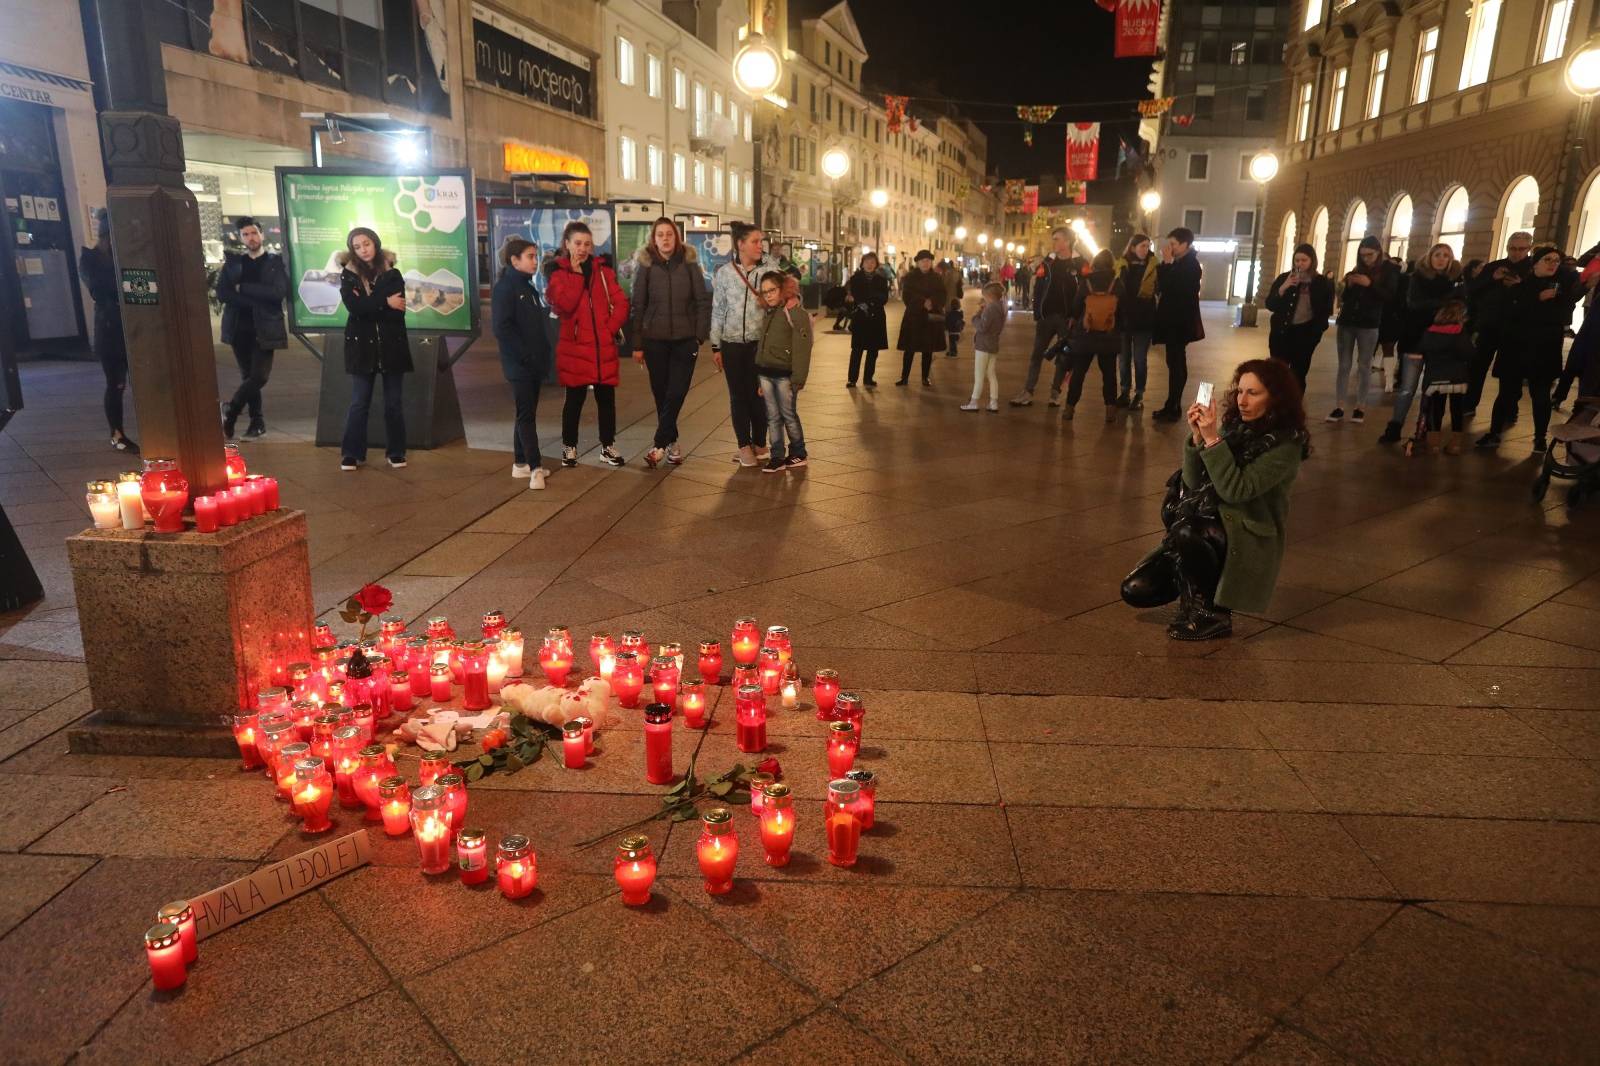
<point x="1227" y="509"/>
<point x="1435" y="279"/>
<point x="100" y="275"/>
<point x="1136" y="314"/>
<point x="519" y="316"/>
<point x="670" y="317"/>
<point x="583" y="291"/>
<point x="1095" y="336"/>
<point x="1301" y="302"/>
<point x="922" y="326"/>
<point x="1541" y="308"/>
<point x="865" y="294"/>
<point x="375" y="343"/>
<point x="1177" y="321"/>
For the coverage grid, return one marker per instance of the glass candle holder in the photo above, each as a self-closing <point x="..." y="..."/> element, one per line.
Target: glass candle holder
<point x="842" y="822"/>
<point x="313" y="795"/>
<point x="129" y="501"/>
<point x="664" y="674"/>
<point x="256" y="486"/>
<point x="374" y="766"/>
<point x="205" y="514"/>
<point x="770" y="666"/>
<point x="323" y="727"/>
<point x="601" y="649"/>
<point x="674" y="651"/>
<point x="101" y="496"/>
<point x="322" y="635"/>
<point x="516" y="867"/>
<point x="303" y="713"/>
<point x="271" y="486"/>
<point x="778" y="637"/>
<point x="789" y="690"/>
<point x="273" y="698"/>
<point x="244" y="735"/>
<point x="394" y="798"/>
<point x="717" y="850"/>
<point x="472" y="856"/>
<point x="338" y="694"/>
<point x="692" y="702"/>
<point x="378" y="693"/>
<point x="163" y="946"/>
<point x="627" y="680"/>
<point x="760" y="782"/>
<point x="635" y="870"/>
<point x="234" y="461"/>
<point x="511" y="650"/>
<point x="588" y="732"/>
<point x="400" y="691"/>
<point x="744" y="675"/>
<point x="324" y="669"/>
<point x="850" y="708"/>
<point x="494" y="623"/>
<point x="750" y="719"/>
<point x="273" y="736"/>
<point x="633" y="640"/>
<point x="842" y="748"/>
<point x="867" y="781"/>
<point x="432" y="765"/>
<point x="555" y="660"/>
<point x="777" y="824"/>
<point x="475" y="684"/>
<point x="430" y="825"/>
<point x="658" y="744"/>
<point x="347" y="743"/>
<point x="391" y="633"/>
<point x="572" y="746"/>
<point x="418" y="660"/>
<point x="711" y="661"/>
<point x="288" y="755"/>
<point x="181" y="914"/>
<point x="825" y="690"/>
<point x="365" y="720"/>
<point x="298" y="678"/>
<point x="164" y="490"/>
<point x="562" y="636"/>
<point x="439" y="682"/>
<point x="745" y="642"/>
<point x="455" y="797"/>
<point x="497" y="665"/>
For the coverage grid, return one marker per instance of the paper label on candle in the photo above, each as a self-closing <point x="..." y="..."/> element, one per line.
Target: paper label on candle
<point x="249" y="896"/>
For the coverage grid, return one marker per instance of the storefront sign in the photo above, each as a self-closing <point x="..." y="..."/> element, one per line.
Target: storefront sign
<point x="249" y="896"/>
<point x="521" y="60"/>
<point x="424" y="221"/>
<point x="139" y="287"/>
<point x="41" y="87"/>
<point x="532" y="159"/>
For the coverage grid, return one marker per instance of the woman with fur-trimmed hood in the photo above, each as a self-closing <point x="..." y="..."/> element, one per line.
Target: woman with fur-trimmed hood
<point x="375" y="343"/>
<point x="669" y="319"/>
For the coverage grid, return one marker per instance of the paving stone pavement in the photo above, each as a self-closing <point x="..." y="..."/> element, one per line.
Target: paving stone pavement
<point x="1366" y="829"/>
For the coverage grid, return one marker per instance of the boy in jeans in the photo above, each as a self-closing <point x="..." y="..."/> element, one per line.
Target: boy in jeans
<point x="783" y="358"/>
<point x="986" y="326"/>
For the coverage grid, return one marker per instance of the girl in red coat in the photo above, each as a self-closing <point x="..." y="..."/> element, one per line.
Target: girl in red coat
<point x="583" y="291"/>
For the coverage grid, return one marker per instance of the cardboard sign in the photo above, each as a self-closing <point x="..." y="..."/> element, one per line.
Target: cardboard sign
<point x="266" y="888"/>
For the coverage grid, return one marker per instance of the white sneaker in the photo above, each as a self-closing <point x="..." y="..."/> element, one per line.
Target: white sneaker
<point x="521" y="470"/>
<point x="674" y="454"/>
<point x="536" y="479"/>
<point x="569" y="456"/>
<point x="610" y="456"/>
<point x="397" y="464"/>
<point x="1022" y="399"/>
<point x="994" y="407"/>
<point x="971" y="405"/>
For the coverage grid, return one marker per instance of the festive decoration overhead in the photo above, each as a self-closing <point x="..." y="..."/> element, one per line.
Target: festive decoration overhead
<point x="1034" y="115"/>
<point x="1078" y="192"/>
<point x="1083" y="151"/>
<point x="1182" y="120"/>
<point x="1030" y="199"/>
<point x="1136" y="27"/>
<point x="1014" y="194"/>
<point x="1108" y="5"/>
<point x="895" y="107"/>
<point x="1157" y="107"/>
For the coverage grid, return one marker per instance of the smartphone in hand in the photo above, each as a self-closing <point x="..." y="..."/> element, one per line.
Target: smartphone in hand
<point x="1202" y="395"/>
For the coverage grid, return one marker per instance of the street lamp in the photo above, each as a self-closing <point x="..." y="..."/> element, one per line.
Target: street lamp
<point x="836" y="164"/>
<point x="961" y="233"/>
<point x="1582" y="76"/>
<point x="1149" y="204"/>
<point x="757" y="67"/>
<point x="879" y="199"/>
<point x="1263" y="168"/>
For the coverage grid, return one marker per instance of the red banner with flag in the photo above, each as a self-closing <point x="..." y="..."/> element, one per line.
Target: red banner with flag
<point x="1083" y="151"/>
<point x="1136" y="27"/>
<point x="1030" y="199"/>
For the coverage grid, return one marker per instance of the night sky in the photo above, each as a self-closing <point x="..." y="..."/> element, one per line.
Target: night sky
<point x="1035" y="52"/>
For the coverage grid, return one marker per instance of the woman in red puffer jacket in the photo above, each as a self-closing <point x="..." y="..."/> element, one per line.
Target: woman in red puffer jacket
<point x="583" y="291"/>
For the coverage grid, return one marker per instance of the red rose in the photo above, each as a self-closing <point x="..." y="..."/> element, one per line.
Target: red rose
<point x="770" y="766"/>
<point x="373" y="599"/>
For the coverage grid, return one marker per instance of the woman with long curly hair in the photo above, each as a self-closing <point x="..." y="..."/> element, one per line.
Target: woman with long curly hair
<point x="1227" y="509"/>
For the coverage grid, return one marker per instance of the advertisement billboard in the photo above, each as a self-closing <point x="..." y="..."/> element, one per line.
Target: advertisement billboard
<point x="425" y="220"/>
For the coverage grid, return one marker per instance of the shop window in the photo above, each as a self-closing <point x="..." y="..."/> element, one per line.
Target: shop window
<point x="1453" y="220"/>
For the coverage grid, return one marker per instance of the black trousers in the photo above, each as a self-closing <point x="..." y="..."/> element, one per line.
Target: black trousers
<point x="856" y="354"/>
<point x="525" y="431"/>
<point x="1488" y="343"/>
<point x="1510" y="395"/>
<point x="671" y="366"/>
<point x="1192" y="555"/>
<point x="744" y="394"/>
<point x="1177" y="373"/>
<point x="1107" y="361"/>
<point x="605" y="405"/>
<point x="1434" y="407"/>
<point x="1295" y="345"/>
<point x="115" y="367"/>
<point x="255" y="367"/>
<point x="905" y="365"/>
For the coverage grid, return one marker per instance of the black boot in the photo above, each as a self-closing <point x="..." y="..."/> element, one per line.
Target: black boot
<point x="1199" y="618"/>
<point x="230" y="420"/>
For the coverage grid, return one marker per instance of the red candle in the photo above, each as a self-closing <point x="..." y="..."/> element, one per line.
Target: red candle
<point x="322" y="635"/>
<point x="395" y="796"/>
<point x="843" y="825"/>
<point x="771" y="667"/>
<point x="271" y="486"/>
<point x="572" y="745"/>
<point x="430" y="825"/>
<point x="432" y="765"/>
<point x="750" y="719"/>
<point x="841" y="748"/>
<point x="588" y="733"/>
<point x="778" y="637"/>
<point x="516" y="867"/>
<point x="439" y="681"/>
<point x="313" y="795"/>
<point x="163" y="946"/>
<point x="760" y="781"/>
<point x="205" y="514"/>
<point x="849" y="708"/>
<point x="288" y="755"/>
<point x="745" y="675"/>
<point x="555" y="661"/>
<point x="664" y="674"/>
<point x="243" y="507"/>
<point x="777" y="824"/>
<point x="255" y="486"/>
<point x="224" y="502"/>
<point x="375" y="766"/>
<point x="234" y="463"/>
<point x="273" y="736"/>
<point x="455" y="797"/>
<point x="298" y="679"/>
<point x="400" y="690"/>
<point x="164" y="490"/>
<point x="602" y="647"/>
<point x="746" y="641"/>
<point x="472" y="856"/>
<point x="475" y="684"/>
<point x="711" y="661"/>
<point x="658" y="744"/>
<point x="633" y="640"/>
<point x="825" y="687"/>
<point x="180" y="914"/>
<point x="322" y="743"/>
<point x="718" y="850"/>
<point x="562" y="636"/>
<point x="635" y="870"/>
<point x="303" y="713"/>
<point x="627" y="680"/>
<point x="365" y="721"/>
<point x="244" y="735"/>
<point x="868" y="796"/>
<point x="692" y="702"/>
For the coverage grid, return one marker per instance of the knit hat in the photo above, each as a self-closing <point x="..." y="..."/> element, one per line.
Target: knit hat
<point x="924" y="254"/>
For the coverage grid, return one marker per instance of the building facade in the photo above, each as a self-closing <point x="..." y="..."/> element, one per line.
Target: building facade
<point x="1420" y="121"/>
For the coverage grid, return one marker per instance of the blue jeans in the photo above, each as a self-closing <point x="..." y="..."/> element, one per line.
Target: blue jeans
<point x="1132" y="361"/>
<point x="1410" y="376"/>
<point x="782" y="416"/>
<point x="1360" y="344"/>
<point x="394" y="415"/>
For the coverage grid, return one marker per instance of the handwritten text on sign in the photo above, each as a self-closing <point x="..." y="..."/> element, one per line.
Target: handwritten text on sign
<point x="266" y="888"/>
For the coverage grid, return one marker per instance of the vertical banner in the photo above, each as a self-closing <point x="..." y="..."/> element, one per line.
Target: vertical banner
<point x="1015" y="191"/>
<point x="1030" y="199"/>
<point x="1083" y="151"/>
<point x="1136" y="27"/>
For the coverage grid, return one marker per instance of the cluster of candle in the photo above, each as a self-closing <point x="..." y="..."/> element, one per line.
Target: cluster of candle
<point x="160" y="492"/>
<point x="172" y="945"/>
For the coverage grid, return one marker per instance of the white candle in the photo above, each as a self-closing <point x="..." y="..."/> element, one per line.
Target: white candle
<point x="102" y="500"/>
<point x="497" y="671"/>
<point x="131" y="505"/>
<point x="791" y="697"/>
<point x="511" y="651"/>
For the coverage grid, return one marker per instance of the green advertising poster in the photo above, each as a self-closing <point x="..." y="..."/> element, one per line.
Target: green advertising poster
<point x="426" y="221"/>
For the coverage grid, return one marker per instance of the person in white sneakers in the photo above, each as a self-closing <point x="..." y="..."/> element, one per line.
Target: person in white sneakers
<point x="986" y="327"/>
<point x="519" y="314"/>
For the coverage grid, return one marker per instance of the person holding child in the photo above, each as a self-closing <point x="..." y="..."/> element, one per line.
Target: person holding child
<point x="986" y="327"/>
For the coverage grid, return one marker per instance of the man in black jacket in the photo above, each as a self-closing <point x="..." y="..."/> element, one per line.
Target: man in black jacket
<point x="1055" y="287"/>
<point x="252" y="288"/>
<point x="1488" y="308"/>
<point x="1177" y="318"/>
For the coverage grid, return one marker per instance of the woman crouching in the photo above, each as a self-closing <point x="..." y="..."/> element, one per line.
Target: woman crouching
<point x="1227" y="509"/>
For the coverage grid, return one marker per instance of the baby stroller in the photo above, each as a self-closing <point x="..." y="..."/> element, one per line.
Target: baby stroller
<point x="1577" y="441"/>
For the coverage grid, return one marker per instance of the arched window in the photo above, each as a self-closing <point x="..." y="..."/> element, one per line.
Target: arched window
<point x="1355" y="228"/>
<point x="1588" y="220"/>
<point x="1517" y="211"/>
<point x="1286" y="242"/>
<point x="1400" y="214"/>
<point x="1453" y="219"/>
<point x="1317" y="237"/>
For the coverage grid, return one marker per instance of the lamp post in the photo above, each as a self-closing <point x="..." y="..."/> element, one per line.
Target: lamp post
<point x="757" y="70"/>
<point x="836" y="164"/>
<point x="879" y="199"/>
<point x="1582" y="76"/>
<point x="1263" y="168"/>
<point x="1149" y="204"/>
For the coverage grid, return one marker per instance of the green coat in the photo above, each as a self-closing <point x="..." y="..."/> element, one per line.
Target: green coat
<point x="1255" y="510"/>
<point x="785" y="344"/>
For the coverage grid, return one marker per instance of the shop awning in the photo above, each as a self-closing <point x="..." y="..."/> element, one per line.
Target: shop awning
<point x="32" y="86"/>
